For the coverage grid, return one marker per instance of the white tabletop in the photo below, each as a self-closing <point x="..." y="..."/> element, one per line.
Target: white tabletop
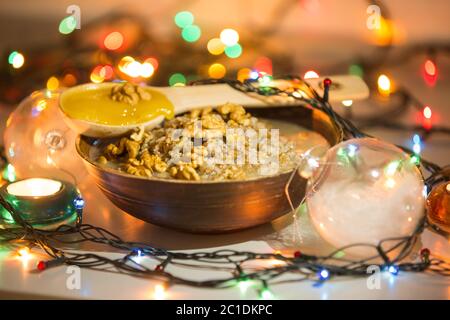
<point x="18" y="280"/>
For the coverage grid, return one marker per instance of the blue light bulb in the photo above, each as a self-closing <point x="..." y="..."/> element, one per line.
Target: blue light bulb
<point x="352" y="150"/>
<point x="324" y="274"/>
<point x="393" y="270"/>
<point x="254" y="75"/>
<point x="138" y="252"/>
<point x="78" y="203"/>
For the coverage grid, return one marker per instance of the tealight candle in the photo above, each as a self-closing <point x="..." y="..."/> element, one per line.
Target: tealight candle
<point x="44" y="203"/>
<point x="35" y="187"/>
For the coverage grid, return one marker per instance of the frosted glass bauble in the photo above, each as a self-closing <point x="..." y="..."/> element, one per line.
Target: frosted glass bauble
<point x="366" y="191"/>
<point x="38" y="143"/>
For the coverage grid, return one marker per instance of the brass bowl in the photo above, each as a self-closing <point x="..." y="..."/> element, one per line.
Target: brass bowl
<point x="208" y="207"/>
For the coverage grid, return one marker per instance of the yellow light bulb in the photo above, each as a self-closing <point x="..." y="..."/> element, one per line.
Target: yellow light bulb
<point x="384" y="34"/>
<point x="52" y="83"/>
<point x="24" y="255"/>
<point x="311" y="74"/>
<point x="96" y="78"/>
<point x="244" y="74"/>
<point x="217" y="71"/>
<point x="384" y="85"/>
<point x="215" y="46"/>
<point x="24" y="252"/>
<point x="347" y="103"/>
<point x="160" y="292"/>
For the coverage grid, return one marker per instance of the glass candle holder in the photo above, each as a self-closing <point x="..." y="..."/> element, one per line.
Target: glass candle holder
<point x="438" y="205"/>
<point x="44" y="203"/>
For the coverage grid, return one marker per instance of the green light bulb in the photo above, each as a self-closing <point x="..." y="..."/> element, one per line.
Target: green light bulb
<point x="233" y="51"/>
<point x="184" y="19"/>
<point x="9" y="173"/>
<point x="11" y="57"/>
<point x="392" y="167"/>
<point x="356" y="70"/>
<point x="67" y="25"/>
<point x="177" y="78"/>
<point x="415" y="160"/>
<point x="266" y="294"/>
<point x="191" y="33"/>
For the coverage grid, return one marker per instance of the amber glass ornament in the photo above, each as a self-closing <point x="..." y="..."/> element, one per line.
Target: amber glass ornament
<point x="438" y="204"/>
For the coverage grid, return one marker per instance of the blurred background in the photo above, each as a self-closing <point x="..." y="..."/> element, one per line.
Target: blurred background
<point x="400" y="48"/>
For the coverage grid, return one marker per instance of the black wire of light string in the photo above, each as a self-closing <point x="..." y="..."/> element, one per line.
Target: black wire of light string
<point x="305" y="265"/>
<point x="311" y="263"/>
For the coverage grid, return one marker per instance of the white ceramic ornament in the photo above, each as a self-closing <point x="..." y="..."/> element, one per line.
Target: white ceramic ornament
<point x="38" y="143"/>
<point x="366" y="191"/>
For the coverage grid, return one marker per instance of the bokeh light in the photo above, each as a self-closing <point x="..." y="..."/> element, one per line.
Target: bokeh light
<point x="184" y="19"/>
<point x="147" y="70"/>
<point x="160" y="292"/>
<point x="430" y="72"/>
<point x="113" y="41"/>
<point x="107" y="72"/>
<point x="229" y="37"/>
<point x="311" y="74"/>
<point x="67" y="25"/>
<point x="263" y="64"/>
<point x="124" y="63"/>
<point x="233" y="51"/>
<point x="384" y="84"/>
<point x="96" y="76"/>
<point x="430" y="67"/>
<point x="244" y="73"/>
<point x="101" y="73"/>
<point x="427" y="113"/>
<point x="356" y="70"/>
<point x="16" y="59"/>
<point x="69" y="80"/>
<point x="254" y="74"/>
<point x="215" y="46"/>
<point x="153" y="61"/>
<point x="384" y="35"/>
<point x="52" y="83"/>
<point x="177" y="79"/>
<point x="347" y="103"/>
<point x="133" y="68"/>
<point x="265" y="79"/>
<point x="191" y="33"/>
<point x="217" y="71"/>
<point x="11" y="57"/>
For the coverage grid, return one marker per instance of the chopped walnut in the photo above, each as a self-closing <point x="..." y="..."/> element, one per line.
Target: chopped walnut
<point x="102" y="160"/>
<point x="185" y="147"/>
<point x="187" y="172"/>
<point x="132" y="148"/>
<point x="129" y="93"/>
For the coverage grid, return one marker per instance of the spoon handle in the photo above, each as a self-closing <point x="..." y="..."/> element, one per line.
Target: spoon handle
<point x="345" y="87"/>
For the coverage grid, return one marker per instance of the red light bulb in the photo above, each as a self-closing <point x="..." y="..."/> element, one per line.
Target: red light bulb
<point x="427" y="113"/>
<point x="42" y="265"/>
<point x="430" y="67"/>
<point x="425" y="252"/>
<point x="430" y="72"/>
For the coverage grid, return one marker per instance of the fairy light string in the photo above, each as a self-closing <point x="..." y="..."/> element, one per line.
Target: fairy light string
<point x="303" y="266"/>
